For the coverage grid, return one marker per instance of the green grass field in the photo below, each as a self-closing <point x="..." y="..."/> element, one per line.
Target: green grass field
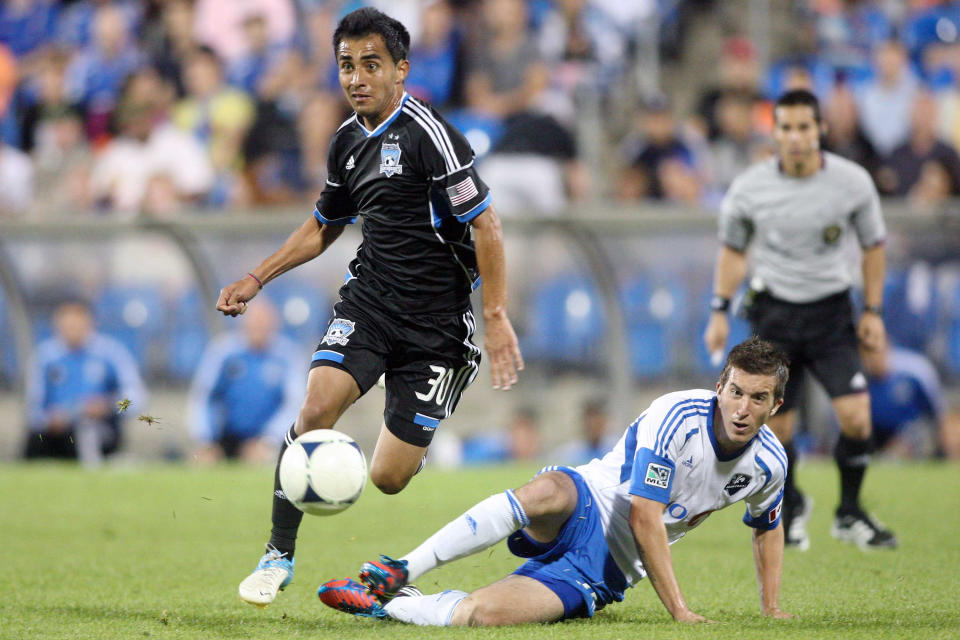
<point x="158" y="552"/>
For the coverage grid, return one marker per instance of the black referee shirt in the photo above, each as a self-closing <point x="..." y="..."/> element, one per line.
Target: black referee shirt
<point x="413" y="181"/>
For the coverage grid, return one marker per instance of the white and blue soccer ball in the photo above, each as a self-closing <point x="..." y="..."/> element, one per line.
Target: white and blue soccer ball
<point x="323" y="472"/>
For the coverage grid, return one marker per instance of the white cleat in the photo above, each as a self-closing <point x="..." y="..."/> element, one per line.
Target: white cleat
<point x="797" y="537"/>
<point x="273" y="574"/>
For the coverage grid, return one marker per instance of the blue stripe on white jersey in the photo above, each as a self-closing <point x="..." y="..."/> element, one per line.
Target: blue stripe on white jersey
<point x="675" y="417"/>
<point x="630" y="448"/>
<point x="771" y="444"/>
<point x="765" y="468"/>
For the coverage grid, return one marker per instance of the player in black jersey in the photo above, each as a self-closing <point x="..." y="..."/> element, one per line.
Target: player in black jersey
<point x="429" y="234"/>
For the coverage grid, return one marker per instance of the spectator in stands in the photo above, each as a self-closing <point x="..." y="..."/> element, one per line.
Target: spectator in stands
<point x="844" y="135"/>
<point x="520" y="443"/>
<point x="663" y="166"/>
<point x="96" y="74"/>
<point x="901" y="171"/>
<point x="506" y="75"/>
<point x="886" y="101"/>
<point x="47" y="86"/>
<point x="150" y="156"/>
<point x="16" y="172"/>
<point x="61" y="160"/>
<point x="76" y="25"/>
<point x="435" y="57"/>
<point x="28" y="26"/>
<point x="218" y="117"/>
<point x="79" y="377"/>
<point x="738" y="71"/>
<point x="595" y="439"/>
<point x="737" y="144"/>
<point x="169" y="40"/>
<point x="220" y="25"/>
<point x="907" y="403"/>
<point x="847" y="33"/>
<point x="247" y="391"/>
<point x="259" y="54"/>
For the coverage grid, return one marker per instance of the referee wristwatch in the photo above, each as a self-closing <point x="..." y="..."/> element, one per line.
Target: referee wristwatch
<point x="719" y="303"/>
<point x="873" y="308"/>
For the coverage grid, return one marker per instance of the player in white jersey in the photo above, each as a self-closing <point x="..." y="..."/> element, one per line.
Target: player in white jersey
<point x="794" y="211"/>
<point x="592" y="531"/>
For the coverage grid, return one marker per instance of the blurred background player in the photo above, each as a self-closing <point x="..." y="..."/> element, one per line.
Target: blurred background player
<point x="78" y="378"/>
<point x="799" y="207"/>
<point x="429" y="236"/>
<point x="247" y="391"/>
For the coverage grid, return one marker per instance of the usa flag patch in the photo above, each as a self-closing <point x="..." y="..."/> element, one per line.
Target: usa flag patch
<point x="462" y="191"/>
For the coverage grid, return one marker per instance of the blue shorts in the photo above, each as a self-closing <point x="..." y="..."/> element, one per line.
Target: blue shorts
<point x="576" y="565"/>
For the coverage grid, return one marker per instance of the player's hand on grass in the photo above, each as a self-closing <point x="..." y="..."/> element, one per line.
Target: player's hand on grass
<point x="690" y="617"/>
<point x="234" y="297"/>
<point x="503" y="351"/>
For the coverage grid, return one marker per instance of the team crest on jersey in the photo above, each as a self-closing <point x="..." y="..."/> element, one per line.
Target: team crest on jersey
<point x="390" y="159"/>
<point x="658" y="476"/>
<point x="736" y="483"/>
<point x="832" y="233"/>
<point x="339" y="332"/>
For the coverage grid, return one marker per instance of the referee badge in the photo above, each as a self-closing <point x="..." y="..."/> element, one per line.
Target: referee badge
<point x="832" y="233"/>
<point x="390" y="159"/>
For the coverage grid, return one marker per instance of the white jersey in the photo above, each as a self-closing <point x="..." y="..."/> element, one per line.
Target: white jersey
<point x="670" y="454"/>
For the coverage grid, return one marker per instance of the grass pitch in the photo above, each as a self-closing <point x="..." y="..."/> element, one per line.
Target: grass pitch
<point x="158" y="552"/>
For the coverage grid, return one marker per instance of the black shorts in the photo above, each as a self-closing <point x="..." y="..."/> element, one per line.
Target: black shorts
<point x="428" y="361"/>
<point x="817" y="336"/>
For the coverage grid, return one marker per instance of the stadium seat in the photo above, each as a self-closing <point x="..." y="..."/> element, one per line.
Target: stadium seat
<point x="135" y="315"/>
<point x="188" y="335"/>
<point x="566" y="323"/>
<point x="909" y="306"/>
<point x="655" y="313"/>
<point x="304" y="309"/>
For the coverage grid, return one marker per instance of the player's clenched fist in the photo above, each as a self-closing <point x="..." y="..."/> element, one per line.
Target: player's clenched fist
<point x="234" y="297"/>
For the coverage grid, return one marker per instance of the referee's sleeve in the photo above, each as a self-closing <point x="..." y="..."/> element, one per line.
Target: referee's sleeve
<point x="868" y="217"/>
<point x="736" y="228"/>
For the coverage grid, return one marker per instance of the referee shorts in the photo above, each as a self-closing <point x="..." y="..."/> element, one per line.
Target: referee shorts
<point x="428" y="360"/>
<point x="818" y="337"/>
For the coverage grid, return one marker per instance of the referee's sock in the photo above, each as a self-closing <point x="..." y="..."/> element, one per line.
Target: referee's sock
<point x="791" y="495"/>
<point x="286" y="517"/>
<point x="852" y="458"/>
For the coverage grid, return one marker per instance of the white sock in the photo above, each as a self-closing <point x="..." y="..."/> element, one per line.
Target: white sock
<point x="434" y="610"/>
<point x="483" y="525"/>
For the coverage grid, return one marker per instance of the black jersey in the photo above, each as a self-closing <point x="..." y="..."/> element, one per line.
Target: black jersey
<point x="413" y="181"/>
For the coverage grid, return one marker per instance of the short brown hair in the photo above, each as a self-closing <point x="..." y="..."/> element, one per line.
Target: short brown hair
<point x="759" y="357"/>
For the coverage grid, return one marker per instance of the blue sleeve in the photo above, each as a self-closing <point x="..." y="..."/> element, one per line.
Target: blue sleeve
<point x="767" y="520"/>
<point x="652" y="476"/>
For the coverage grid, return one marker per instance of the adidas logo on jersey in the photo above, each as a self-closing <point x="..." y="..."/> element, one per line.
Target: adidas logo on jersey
<point x="350" y="164"/>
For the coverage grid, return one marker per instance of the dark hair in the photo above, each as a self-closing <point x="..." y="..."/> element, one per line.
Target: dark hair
<point x="759" y="357"/>
<point x="798" y="97"/>
<point x="367" y="21"/>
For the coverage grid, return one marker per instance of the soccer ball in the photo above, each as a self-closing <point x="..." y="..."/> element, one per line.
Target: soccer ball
<point x="323" y="472"/>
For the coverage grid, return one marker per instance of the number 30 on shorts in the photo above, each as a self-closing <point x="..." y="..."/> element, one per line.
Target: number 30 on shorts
<point x="439" y="386"/>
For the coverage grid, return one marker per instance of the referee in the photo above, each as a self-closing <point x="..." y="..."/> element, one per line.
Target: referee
<point x="429" y="234"/>
<point x="799" y="207"/>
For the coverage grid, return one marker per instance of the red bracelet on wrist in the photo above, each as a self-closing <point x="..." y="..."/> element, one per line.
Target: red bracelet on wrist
<point x="259" y="281"/>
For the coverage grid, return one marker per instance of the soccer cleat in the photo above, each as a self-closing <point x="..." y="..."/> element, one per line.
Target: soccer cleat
<point x="384" y="577"/>
<point x="865" y="531"/>
<point x="273" y="573"/>
<point x="350" y="596"/>
<point x="795" y="532"/>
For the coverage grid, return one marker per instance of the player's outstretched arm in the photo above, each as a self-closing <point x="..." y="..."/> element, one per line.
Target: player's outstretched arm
<point x="646" y="521"/>
<point x="729" y="273"/>
<point x="768" y="556"/>
<point x="500" y="340"/>
<point x="306" y="243"/>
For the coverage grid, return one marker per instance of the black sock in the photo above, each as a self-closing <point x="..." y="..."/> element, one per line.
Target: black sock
<point x="852" y="458"/>
<point x="286" y="517"/>
<point x="791" y="495"/>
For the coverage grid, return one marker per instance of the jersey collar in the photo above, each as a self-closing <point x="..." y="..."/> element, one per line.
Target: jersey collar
<point x="386" y="123"/>
<point x="721" y="456"/>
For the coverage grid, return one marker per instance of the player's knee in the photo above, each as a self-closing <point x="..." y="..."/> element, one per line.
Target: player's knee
<point x="474" y="612"/>
<point x="389" y="481"/>
<point x="551" y="493"/>
<point x="316" y="415"/>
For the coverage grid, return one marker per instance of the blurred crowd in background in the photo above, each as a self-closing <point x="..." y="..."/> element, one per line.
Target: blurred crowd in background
<point x="157" y="107"/>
